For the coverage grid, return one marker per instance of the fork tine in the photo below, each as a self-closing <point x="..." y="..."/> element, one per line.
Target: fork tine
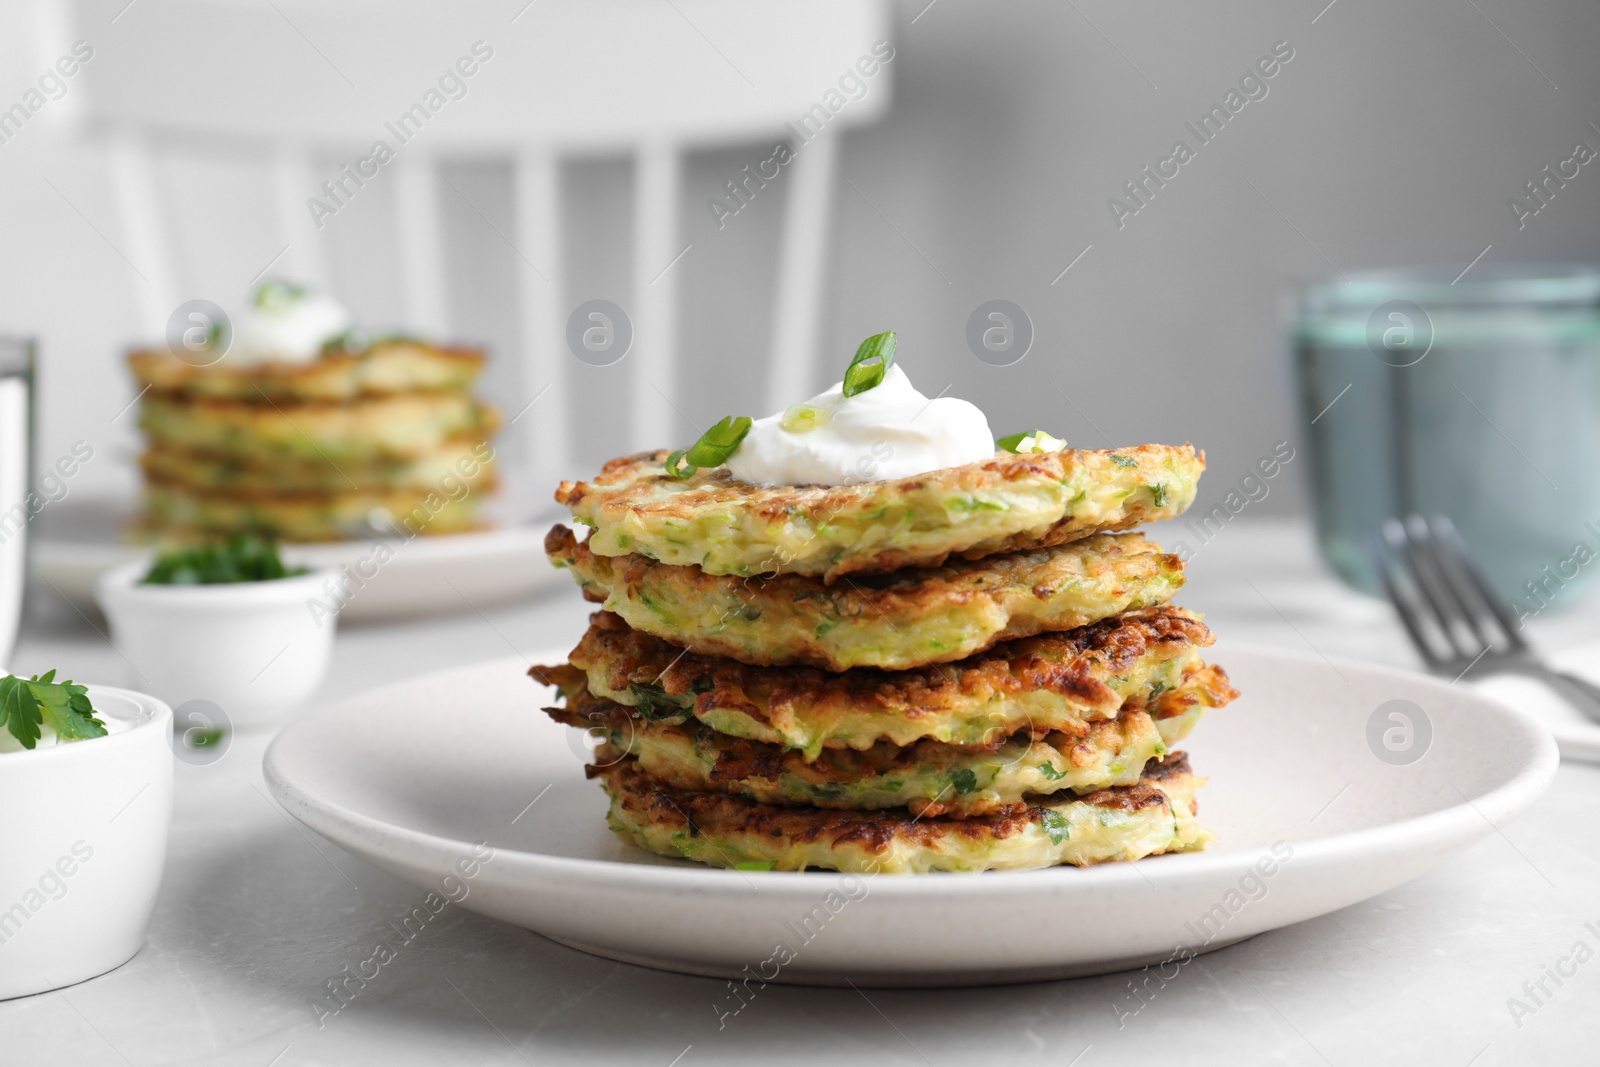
<point x="1454" y="549"/>
<point x="1410" y="618"/>
<point x="1441" y="607"/>
<point x="1425" y="542"/>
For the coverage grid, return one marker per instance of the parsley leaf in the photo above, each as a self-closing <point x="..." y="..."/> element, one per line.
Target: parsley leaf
<point x="655" y="704"/>
<point x="1123" y="461"/>
<point x="19" y="711"/>
<point x="26" y="706"/>
<point x="242" y="558"/>
<point x="1159" y="492"/>
<point x="1050" y="772"/>
<point x="964" y="780"/>
<point x="1056" y="825"/>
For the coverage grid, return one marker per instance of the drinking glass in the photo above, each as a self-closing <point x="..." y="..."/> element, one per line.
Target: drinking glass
<point x="16" y="440"/>
<point x="1476" y="397"/>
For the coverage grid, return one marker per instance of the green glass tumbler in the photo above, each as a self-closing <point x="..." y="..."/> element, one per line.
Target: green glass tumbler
<point x="1477" y="398"/>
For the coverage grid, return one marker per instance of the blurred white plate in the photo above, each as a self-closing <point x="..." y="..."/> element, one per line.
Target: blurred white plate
<point x="75" y="542"/>
<point x="1290" y="765"/>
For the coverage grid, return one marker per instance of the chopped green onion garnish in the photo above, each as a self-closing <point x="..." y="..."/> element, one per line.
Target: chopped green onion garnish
<point x="873" y="360"/>
<point x="719" y="442"/>
<point x="713" y="448"/>
<point x="348" y="341"/>
<point x="755" y="865"/>
<point x="278" y="296"/>
<point x="1036" y="442"/>
<point x="803" y="418"/>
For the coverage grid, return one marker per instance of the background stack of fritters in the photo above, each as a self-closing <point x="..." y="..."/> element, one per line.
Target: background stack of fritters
<point x="348" y="444"/>
<point x="966" y="670"/>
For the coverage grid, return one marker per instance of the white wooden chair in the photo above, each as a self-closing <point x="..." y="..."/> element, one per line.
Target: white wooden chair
<point x="285" y="83"/>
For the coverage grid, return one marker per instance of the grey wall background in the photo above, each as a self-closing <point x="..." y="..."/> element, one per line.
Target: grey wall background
<point x="1394" y="136"/>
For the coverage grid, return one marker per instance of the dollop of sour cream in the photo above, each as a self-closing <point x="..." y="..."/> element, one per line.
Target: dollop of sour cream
<point x="287" y="324"/>
<point x="48" y="738"/>
<point x="888" y="431"/>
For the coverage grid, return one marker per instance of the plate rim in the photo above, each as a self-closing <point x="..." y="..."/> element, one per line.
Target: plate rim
<point x="443" y="544"/>
<point x="1520" y="789"/>
<point x="72" y="568"/>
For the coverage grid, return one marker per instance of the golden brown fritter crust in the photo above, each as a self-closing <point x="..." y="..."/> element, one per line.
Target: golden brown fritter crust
<point x="1146" y="660"/>
<point x="183" y="515"/>
<point x="463" y="461"/>
<point x="1004" y="504"/>
<point x="928" y="778"/>
<point x="386" y="368"/>
<point x="906" y="619"/>
<point x="368" y="430"/>
<point x="1122" y="823"/>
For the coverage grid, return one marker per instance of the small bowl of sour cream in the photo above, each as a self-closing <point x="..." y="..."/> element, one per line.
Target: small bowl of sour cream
<point x="81" y="861"/>
<point x="254" y="646"/>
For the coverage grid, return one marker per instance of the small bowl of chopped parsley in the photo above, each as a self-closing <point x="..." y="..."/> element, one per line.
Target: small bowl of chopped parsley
<point x="241" y="558"/>
<point x="228" y="622"/>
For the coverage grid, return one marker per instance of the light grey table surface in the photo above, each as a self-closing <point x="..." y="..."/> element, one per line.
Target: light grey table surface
<point x="256" y="914"/>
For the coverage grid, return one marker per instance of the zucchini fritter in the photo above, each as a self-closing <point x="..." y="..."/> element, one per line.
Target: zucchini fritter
<point x="182" y="515"/>
<point x="394" y="365"/>
<point x="907" y="619"/>
<point x="395" y="427"/>
<point x="929" y="778"/>
<point x="1005" y="504"/>
<point x="462" y="461"/>
<point x="1155" y="815"/>
<point x="1143" y="661"/>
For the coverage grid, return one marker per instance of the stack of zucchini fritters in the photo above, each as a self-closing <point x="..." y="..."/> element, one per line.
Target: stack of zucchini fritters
<point x="967" y="670"/>
<point x="315" y="451"/>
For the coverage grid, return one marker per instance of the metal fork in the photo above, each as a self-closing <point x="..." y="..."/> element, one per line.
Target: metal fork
<point x="1455" y="620"/>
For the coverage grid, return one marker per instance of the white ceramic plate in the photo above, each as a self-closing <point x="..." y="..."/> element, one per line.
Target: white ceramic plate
<point x="77" y="543"/>
<point x="1290" y="764"/>
<point x="1577" y="736"/>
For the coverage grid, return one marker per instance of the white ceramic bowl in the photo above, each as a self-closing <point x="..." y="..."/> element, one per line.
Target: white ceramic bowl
<point x="254" y="649"/>
<point x="82" y="850"/>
